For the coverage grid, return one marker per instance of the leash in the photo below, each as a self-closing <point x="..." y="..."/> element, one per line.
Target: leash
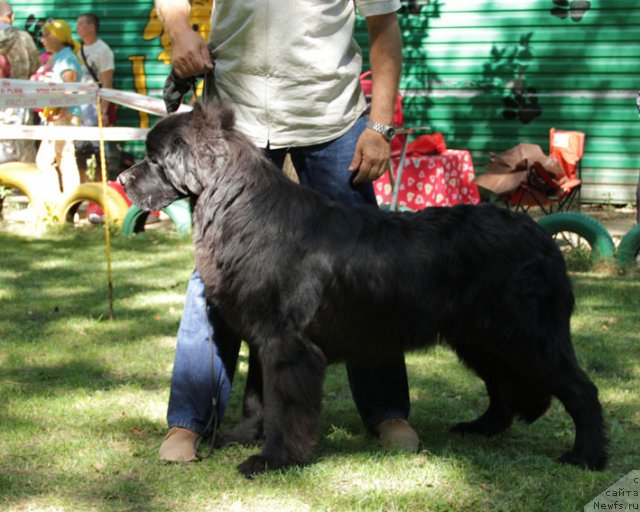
<point x="212" y="424"/>
<point x="209" y="85"/>
<point x="175" y="88"/>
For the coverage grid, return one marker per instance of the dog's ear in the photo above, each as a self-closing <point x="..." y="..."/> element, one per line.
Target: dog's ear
<point x="200" y="148"/>
<point x="208" y="117"/>
<point x="181" y="167"/>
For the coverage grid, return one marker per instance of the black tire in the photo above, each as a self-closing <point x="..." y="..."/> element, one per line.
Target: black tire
<point x="629" y="249"/>
<point x="570" y="227"/>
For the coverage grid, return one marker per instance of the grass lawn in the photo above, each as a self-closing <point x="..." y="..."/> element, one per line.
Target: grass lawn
<point x="83" y="401"/>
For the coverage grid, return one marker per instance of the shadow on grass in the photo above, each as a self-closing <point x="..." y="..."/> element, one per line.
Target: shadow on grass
<point x="63" y="280"/>
<point x="57" y="343"/>
<point x="62" y="378"/>
<point x="34" y="490"/>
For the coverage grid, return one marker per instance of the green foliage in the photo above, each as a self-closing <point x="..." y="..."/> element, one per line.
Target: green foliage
<point x="83" y="401"/>
<point x="579" y="259"/>
<point x="507" y="64"/>
<point x="92" y="165"/>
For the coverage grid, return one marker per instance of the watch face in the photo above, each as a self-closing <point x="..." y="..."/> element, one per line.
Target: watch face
<point x="391" y="132"/>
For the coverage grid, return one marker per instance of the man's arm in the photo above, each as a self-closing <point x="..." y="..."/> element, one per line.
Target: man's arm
<point x="106" y="80"/>
<point x="385" y="57"/>
<point x="190" y="54"/>
<point x="69" y="75"/>
<point x="33" y="54"/>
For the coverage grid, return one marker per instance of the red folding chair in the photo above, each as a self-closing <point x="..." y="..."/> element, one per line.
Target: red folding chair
<point x="553" y="193"/>
<point x="568" y="148"/>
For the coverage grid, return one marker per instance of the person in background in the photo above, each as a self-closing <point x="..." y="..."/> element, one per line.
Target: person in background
<point x="22" y="60"/>
<point x="296" y="90"/>
<point x="17" y="45"/>
<point x="65" y="67"/>
<point x="98" y="66"/>
<point x="5" y="66"/>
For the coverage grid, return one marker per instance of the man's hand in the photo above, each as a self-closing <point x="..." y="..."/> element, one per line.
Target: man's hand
<point x="371" y="157"/>
<point x="190" y="55"/>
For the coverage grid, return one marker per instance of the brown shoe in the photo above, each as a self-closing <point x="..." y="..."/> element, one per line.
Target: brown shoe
<point x="180" y="445"/>
<point x="397" y="433"/>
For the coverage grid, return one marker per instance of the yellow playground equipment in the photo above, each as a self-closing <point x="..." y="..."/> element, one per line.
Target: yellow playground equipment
<point x="48" y="204"/>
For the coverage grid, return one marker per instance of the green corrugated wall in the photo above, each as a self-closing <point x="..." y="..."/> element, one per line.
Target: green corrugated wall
<point x="491" y="74"/>
<point x="488" y="74"/>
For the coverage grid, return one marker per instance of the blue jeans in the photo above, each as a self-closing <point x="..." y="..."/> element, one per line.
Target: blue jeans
<point x="380" y="391"/>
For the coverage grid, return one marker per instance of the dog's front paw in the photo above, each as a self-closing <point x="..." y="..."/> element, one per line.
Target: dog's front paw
<point x="261" y="463"/>
<point x="253" y="466"/>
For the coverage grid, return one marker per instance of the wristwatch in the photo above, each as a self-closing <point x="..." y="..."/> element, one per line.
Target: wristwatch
<point x="388" y="132"/>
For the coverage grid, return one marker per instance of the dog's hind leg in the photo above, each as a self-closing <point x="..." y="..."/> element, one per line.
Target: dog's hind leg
<point x="293" y="373"/>
<point x="580" y="398"/>
<point x="499" y="414"/>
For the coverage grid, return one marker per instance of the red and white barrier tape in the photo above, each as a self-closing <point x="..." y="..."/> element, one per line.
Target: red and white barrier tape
<point x="30" y="94"/>
<point x="138" y="102"/>
<point x="109" y="133"/>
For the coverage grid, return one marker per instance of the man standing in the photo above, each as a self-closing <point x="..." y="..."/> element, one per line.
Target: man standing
<point x="98" y="67"/>
<point x="21" y="52"/>
<point x="97" y="64"/>
<point x="291" y="72"/>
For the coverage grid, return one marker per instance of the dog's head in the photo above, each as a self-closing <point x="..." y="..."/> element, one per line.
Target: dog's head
<point x="184" y="154"/>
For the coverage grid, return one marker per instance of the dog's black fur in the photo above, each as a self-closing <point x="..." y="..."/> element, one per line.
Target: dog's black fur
<point x="307" y="281"/>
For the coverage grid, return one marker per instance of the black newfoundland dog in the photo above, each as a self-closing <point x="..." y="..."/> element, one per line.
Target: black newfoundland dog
<point x="307" y="282"/>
